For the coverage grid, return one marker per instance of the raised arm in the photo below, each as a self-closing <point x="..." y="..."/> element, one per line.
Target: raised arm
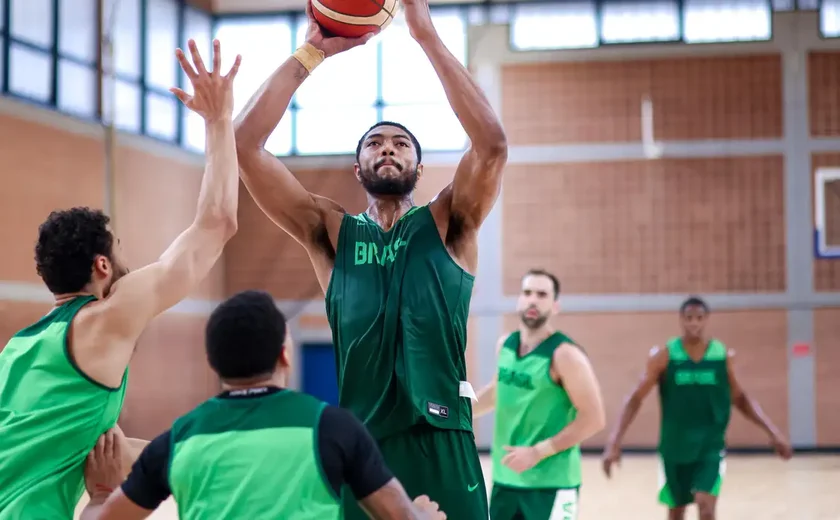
<point x="135" y="299"/>
<point x="274" y="188"/>
<point x="656" y="364"/>
<point x="478" y="177"/>
<point x="750" y="409"/>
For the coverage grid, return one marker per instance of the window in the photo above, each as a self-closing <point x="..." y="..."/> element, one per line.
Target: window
<point x="32" y="21"/>
<point x="332" y="130"/>
<point x="830" y="18"/>
<point x="199" y="27"/>
<point x="643" y="20"/>
<point x="726" y="20"/>
<point x="125" y="97"/>
<point x="407" y="75"/>
<point x="77" y="29"/>
<point x="161" y="116"/>
<point x="123" y="25"/>
<point x="435" y="126"/>
<point x="264" y="44"/>
<point x="161" y="41"/>
<point x="31" y="73"/>
<point x="77" y="89"/>
<point x="347" y="79"/>
<point x="554" y="26"/>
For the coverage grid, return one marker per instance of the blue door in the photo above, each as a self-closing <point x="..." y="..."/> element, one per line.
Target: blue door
<point x="319" y="376"/>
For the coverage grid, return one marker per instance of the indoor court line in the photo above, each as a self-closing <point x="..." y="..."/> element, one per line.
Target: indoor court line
<point x="755" y="487"/>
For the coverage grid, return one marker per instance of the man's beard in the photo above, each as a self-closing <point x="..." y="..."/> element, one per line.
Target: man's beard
<point x="533" y="323"/>
<point x="119" y="272"/>
<point x="388" y="186"/>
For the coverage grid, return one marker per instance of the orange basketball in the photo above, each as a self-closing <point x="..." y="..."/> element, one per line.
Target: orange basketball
<point x="353" y="18"/>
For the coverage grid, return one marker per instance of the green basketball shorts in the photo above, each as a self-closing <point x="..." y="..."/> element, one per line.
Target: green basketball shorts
<point x="508" y="503"/>
<point x="442" y="464"/>
<point x="680" y="481"/>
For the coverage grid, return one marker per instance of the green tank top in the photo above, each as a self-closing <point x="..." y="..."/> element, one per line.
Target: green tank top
<point x="397" y="304"/>
<point x="695" y="403"/>
<point x="251" y="459"/>
<point x="51" y="415"/>
<point x="531" y="407"/>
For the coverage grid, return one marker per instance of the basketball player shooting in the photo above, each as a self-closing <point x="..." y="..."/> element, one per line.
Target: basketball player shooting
<point x="398" y="278"/>
<point x="697" y="388"/>
<point x="63" y="378"/>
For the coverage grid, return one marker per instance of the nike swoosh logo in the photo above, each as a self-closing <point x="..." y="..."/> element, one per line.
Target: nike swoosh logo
<point x="472" y="488"/>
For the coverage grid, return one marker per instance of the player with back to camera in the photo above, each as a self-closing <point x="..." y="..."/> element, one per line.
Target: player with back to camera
<point x="697" y="388"/>
<point x="63" y="378"/>
<point x="547" y="401"/>
<point x="398" y="278"/>
<point x="257" y="450"/>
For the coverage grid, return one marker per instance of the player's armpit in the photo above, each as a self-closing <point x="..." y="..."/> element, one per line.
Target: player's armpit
<point x="116" y="507"/>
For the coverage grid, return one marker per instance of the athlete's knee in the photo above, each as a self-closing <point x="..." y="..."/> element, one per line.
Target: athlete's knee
<point x="705" y="505"/>
<point x="676" y="513"/>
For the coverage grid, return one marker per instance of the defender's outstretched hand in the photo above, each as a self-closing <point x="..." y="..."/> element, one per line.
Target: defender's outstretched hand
<point x="330" y="45"/>
<point x="212" y="96"/>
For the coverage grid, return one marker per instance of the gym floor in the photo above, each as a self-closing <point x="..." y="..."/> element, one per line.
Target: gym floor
<point x="756" y="487"/>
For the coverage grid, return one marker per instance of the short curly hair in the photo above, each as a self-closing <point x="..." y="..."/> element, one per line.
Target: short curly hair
<point x="68" y="243"/>
<point x="244" y="336"/>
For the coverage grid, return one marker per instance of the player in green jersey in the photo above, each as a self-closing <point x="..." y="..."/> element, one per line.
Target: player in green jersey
<point x="547" y="401"/>
<point x="697" y="388"/>
<point x="63" y="378"/>
<point x="257" y="450"/>
<point x="398" y="278"/>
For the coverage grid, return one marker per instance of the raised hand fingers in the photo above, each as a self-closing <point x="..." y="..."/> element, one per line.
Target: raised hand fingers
<point x="185" y="65"/>
<point x="217" y="57"/>
<point x="196" y="56"/>
<point x="234" y="69"/>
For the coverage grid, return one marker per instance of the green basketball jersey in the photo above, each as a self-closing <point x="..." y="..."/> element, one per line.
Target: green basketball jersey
<point x="531" y="407"/>
<point x="695" y="401"/>
<point x="51" y="415"/>
<point x="251" y="458"/>
<point x="397" y="305"/>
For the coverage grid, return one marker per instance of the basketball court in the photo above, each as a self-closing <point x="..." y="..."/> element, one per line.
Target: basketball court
<point x="756" y="487"/>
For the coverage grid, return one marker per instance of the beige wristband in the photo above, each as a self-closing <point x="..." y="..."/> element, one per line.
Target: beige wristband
<point x="308" y="56"/>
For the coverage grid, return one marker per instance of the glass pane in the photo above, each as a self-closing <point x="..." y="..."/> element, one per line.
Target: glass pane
<point x="124" y="26"/>
<point x="77" y="30"/>
<point x="76" y="89"/>
<point x="199" y="27"/>
<point x="264" y="44"/>
<point x="434" y="126"/>
<point x="332" y="130"/>
<point x="280" y="141"/>
<point x="554" y="26"/>
<point x="32" y="21"/>
<point x="162" y="23"/>
<point x="193" y="137"/>
<point x="726" y="20"/>
<point x="31" y="73"/>
<point x="407" y="75"/>
<point x="329" y="84"/>
<point x="161" y="116"/>
<point x="127" y="109"/>
<point x="643" y="20"/>
<point x="830" y="18"/>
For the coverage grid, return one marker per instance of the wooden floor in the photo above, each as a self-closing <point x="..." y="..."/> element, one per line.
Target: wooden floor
<point x="755" y="488"/>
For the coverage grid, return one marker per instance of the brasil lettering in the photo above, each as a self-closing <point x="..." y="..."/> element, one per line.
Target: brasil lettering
<point x="695" y="377"/>
<point x="514" y="378"/>
<point x="368" y="252"/>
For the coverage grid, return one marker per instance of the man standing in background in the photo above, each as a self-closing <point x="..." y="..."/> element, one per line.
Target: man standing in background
<point x="544" y="383"/>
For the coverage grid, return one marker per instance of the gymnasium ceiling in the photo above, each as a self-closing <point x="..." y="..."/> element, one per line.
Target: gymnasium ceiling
<point x="256" y="6"/>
